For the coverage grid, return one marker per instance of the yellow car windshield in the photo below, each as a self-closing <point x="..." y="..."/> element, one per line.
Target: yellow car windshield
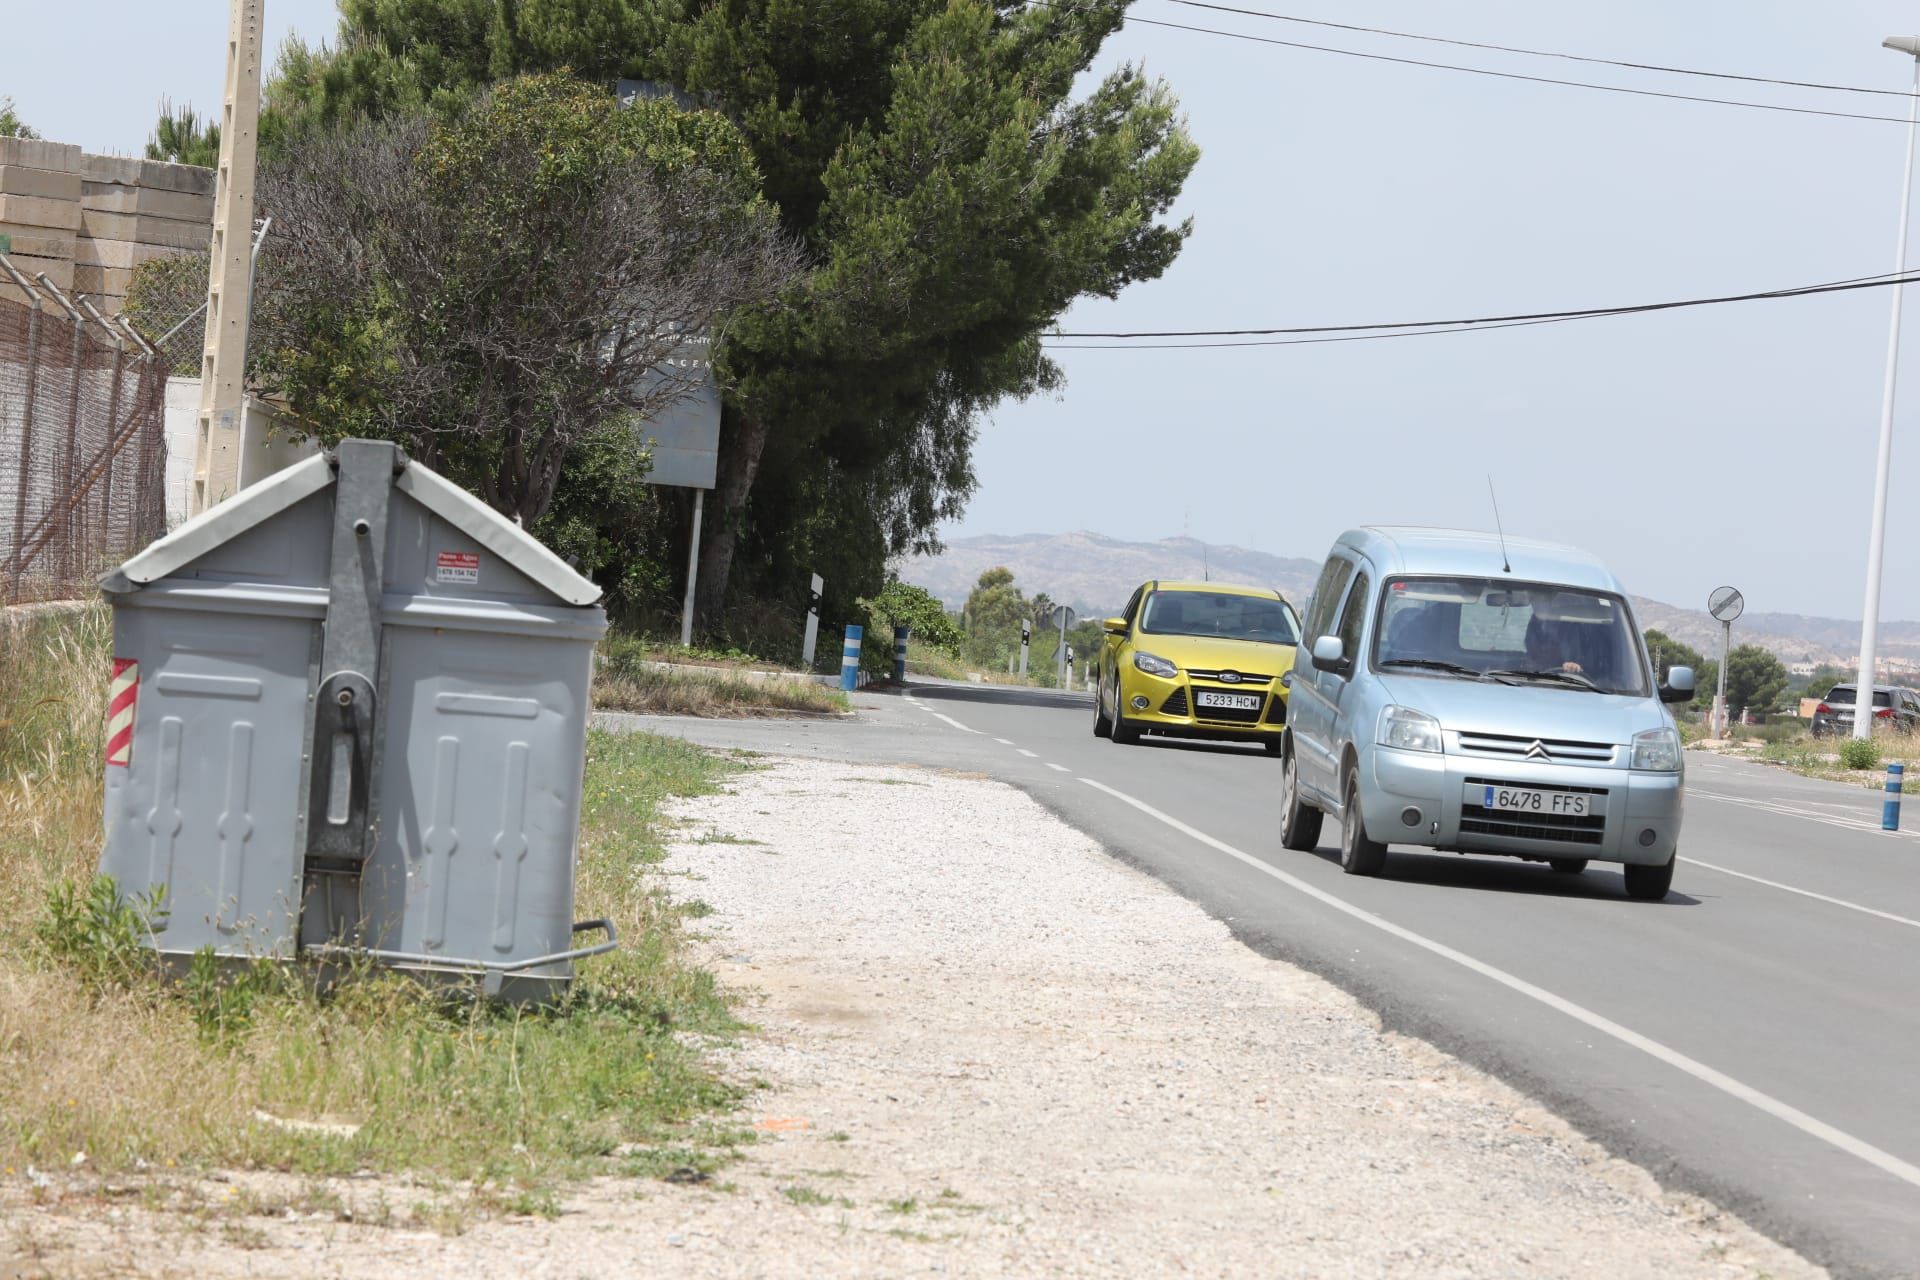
<point x="1220" y="614"/>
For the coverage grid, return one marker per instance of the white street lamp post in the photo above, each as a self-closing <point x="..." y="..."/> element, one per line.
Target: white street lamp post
<point x="1876" y="541"/>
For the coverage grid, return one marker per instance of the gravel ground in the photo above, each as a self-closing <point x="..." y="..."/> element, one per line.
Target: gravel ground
<point x="989" y="1049"/>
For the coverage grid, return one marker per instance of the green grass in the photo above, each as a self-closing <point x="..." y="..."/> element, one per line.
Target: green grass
<point x="1848" y="760"/>
<point x="99" y="1056"/>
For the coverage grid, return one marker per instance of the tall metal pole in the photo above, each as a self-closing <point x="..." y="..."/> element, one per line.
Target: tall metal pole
<point x="1876" y="541"/>
<point x="223" y="361"/>
<point x="693" y="569"/>
<point x="1721" y="711"/>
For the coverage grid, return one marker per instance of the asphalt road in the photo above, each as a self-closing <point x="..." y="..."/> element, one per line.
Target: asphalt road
<point x="1755" y="1038"/>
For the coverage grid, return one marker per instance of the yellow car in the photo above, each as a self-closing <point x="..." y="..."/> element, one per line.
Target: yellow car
<point x="1197" y="660"/>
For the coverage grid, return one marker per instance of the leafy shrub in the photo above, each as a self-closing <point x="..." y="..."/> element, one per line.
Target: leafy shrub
<point x="221" y="995"/>
<point x="103" y="937"/>
<point x="903" y="604"/>
<point x="1860" y="753"/>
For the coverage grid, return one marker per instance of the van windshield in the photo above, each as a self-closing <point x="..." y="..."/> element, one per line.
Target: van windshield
<point x="1524" y="632"/>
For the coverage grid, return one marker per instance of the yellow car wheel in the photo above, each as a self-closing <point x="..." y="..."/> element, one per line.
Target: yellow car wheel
<point x="1123" y="733"/>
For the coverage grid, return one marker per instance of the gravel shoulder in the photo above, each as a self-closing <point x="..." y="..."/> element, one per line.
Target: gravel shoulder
<point x="987" y="1048"/>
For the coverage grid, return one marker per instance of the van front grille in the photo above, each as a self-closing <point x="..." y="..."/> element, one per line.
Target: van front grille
<point x="1550" y="750"/>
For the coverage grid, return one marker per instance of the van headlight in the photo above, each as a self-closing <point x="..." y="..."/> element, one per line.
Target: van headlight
<point x="1409" y="730"/>
<point x="1656" y="750"/>
<point x="1155" y="666"/>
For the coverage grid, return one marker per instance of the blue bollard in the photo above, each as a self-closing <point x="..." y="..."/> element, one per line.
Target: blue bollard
<point x="1890" y="807"/>
<point x="850" y="658"/>
<point x="900" y="655"/>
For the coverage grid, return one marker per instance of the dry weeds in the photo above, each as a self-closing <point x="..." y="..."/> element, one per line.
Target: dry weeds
<point x="686" y="691"/>
<point x="122" y="1074"/>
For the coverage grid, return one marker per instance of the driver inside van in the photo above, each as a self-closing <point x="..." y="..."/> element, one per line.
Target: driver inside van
<point x="1548" y="648"/>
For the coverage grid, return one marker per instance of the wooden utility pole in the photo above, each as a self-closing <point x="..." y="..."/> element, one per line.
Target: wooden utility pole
<point x="223" y="364"/>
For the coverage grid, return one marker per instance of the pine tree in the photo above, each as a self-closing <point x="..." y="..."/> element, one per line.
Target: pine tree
<point x="181" y="137"/>
<point x="955" y="196"/>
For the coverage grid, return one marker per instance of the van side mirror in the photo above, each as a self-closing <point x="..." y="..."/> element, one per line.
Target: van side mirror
<point x="1329" y="654"/>
<point x="1679" y="685"/>
<point x="1114" y="626"/>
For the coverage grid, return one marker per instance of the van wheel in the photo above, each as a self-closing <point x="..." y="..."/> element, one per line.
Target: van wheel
<point x="1102" y="726"/>
<point x="1359" y="856"/>
<point x="1568" y="866"/>
<point x="1299" y="821"/>
<point x="1650" y="884"/>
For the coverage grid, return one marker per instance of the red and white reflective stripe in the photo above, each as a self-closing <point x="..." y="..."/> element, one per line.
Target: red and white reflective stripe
<point x="120" y="699"/>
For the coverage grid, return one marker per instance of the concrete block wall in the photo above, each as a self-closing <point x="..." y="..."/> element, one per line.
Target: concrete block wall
<point x="87" y="221"/>
<point x="264" y="446"/>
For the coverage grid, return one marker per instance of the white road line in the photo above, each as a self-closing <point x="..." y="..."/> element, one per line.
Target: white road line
<point x="1003" y="742"/>
<point x="1058" y="768"/>
<point x="1843" y="1141"/>
<point x="1795" y="811"/>
<point x="1805" y="893"/>
<point x="1031" y="755"/>
<point x="955" y="723"/>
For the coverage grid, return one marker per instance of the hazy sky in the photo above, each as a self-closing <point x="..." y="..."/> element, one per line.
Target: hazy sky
<point x="1730" y="444"/>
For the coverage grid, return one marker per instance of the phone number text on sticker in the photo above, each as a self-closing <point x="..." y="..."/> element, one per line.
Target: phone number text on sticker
<point x="457" y="566"/>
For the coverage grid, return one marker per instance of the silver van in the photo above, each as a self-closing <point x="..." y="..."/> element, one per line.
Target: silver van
<point x="1466" y="694"/>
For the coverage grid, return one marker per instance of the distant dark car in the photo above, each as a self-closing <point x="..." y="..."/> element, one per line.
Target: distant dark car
<point x="1893" y="708"/>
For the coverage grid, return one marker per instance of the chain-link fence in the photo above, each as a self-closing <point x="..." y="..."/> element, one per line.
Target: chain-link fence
<point x="82" y="443"/>
<point x="167" y="303"/>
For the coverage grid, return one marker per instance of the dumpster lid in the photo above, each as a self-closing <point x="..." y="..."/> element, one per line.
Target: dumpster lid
<point x="260" y="502"/>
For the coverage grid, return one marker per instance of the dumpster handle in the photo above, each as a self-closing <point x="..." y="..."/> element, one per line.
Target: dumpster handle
<point x="490" y="966"/>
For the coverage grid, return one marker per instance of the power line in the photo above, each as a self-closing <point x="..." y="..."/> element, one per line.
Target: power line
<point x="1046" y="340"/>
<point x="1541" y="53"/>
<point x="1418" y="328"/>
<point x="1498" y="75"/>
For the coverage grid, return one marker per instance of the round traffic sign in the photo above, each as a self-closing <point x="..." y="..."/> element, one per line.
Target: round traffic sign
<point x="1726" y="604"/>
<point x="1063" y="616"/>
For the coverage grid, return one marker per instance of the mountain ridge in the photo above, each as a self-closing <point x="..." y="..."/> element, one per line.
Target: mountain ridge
<point x="1094" y="573"/>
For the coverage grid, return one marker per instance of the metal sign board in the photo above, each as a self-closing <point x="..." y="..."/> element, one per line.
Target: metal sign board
<point x="1726" y="604"/>
<point x="684" y="436"/>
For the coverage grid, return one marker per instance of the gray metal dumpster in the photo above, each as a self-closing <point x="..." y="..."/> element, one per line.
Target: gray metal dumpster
<point x="349" y="717"/>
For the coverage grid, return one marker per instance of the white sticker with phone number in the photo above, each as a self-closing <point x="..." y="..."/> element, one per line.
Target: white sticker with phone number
<point x="457" y="567"/>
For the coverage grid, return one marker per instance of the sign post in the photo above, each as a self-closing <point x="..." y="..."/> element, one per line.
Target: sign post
<point x="1063" y="617"/>
<point x="1726" y="604"/>
<point x="683" y="438"/>
<point x="1026" y="640"/>
<point x="813" y="623"/>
